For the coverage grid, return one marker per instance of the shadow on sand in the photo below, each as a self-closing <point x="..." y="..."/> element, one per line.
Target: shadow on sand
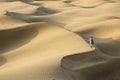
<point x="14" y="38"/>
<point x="3" y="60"/>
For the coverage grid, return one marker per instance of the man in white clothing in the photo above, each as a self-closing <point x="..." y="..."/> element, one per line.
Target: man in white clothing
<point x="91" y="41"/>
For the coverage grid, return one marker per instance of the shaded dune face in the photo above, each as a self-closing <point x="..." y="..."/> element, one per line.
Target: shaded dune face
<point x="16" y="37"/>
<point x="39" y="12"/>
<point x="91" y="67"/>
<point x="34" y="16"/>
<point x="44" y="11"/>
<point x="108" y="46"/>
<point x="100" y="64"/>
<point x="59" y="48"/>
<point x="3" y="60"/>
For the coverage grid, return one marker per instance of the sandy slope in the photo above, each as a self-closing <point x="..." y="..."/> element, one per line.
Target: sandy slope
<point x="47" y="39"/>
<point x="40" y="57"/>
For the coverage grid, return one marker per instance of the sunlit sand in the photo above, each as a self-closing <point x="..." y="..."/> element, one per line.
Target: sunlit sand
<point x="48" y="39"/>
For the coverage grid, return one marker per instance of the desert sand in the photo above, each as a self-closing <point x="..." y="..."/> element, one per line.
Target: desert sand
<point x="48" y="39"/>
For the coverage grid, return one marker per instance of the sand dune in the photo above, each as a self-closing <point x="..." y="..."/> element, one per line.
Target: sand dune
<point x="100" y="64"/>
<point x="44" y="11"/>
<point x="40" y="46"/>
<point x="17" y="6"/>
<point x="48" y="39"/>
<point x="7" y="22"/>
<point x="15" y="0"/>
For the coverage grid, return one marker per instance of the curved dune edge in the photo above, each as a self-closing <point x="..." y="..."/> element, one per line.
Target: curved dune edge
<point x="91" y="67"/>
<point x="101" y="63"/>
<point x="26" y="62"/>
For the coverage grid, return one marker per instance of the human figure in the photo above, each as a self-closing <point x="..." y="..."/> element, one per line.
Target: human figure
<point x="91" y="41"/>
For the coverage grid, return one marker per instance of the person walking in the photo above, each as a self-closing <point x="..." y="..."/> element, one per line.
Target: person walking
<point x="91" y="42"/>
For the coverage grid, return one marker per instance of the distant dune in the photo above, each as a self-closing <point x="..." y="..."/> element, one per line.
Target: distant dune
<point x="48" y="39"/>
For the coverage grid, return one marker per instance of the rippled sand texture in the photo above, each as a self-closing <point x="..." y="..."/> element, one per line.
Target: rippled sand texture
<point x="48" y="39"/>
